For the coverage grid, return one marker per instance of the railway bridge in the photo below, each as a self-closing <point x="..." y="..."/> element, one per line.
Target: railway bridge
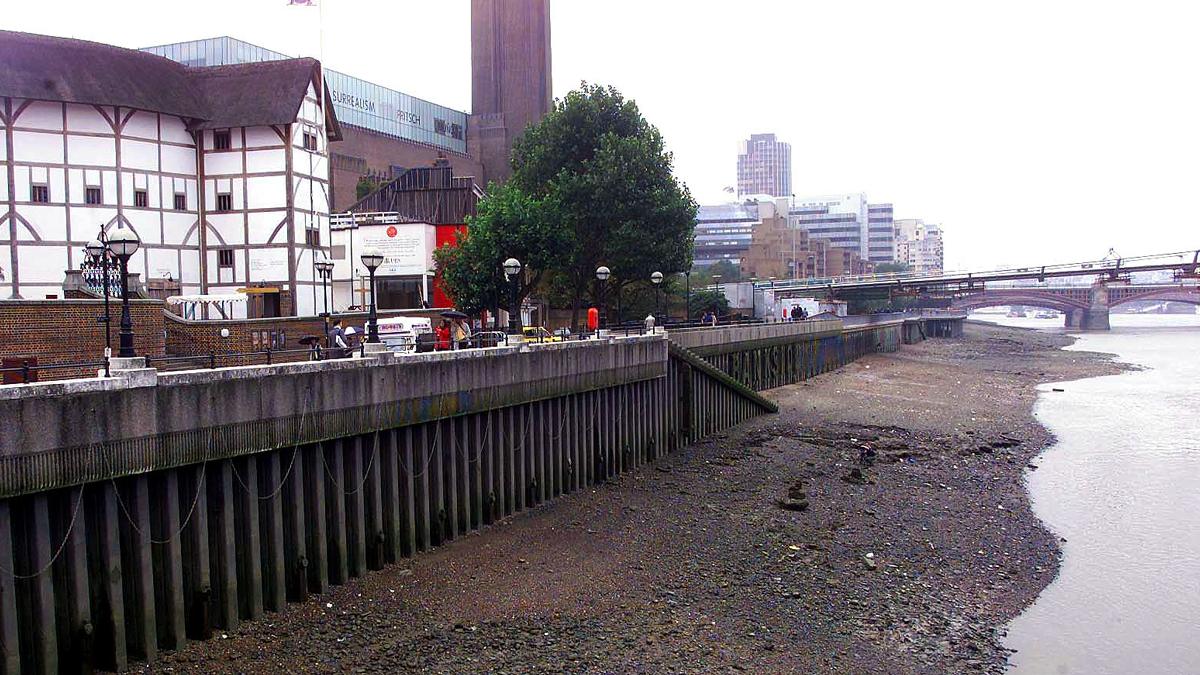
<point x="1084" y="307"/>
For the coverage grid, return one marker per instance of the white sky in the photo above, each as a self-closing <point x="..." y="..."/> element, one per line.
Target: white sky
<point x="1035" y="132"/>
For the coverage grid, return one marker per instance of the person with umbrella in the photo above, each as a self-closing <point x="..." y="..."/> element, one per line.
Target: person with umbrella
<point x="460" y="333"/>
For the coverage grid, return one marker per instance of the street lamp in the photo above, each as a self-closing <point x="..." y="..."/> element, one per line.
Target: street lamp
<point x="602" y="275"/>
<point x="656" y="278"/>
<point x="124" y="243"/>
<point x="771" y="309"/>
<point x="512" y="272"/>
<point x="372" y="259"/>
<point x="687" y="296"/>
<point x="325" y="271"/>
<point x="97" y="250"/>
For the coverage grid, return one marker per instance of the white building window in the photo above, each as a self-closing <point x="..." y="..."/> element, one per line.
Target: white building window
<point x="225" y="202"/>
<point x="141" y="198"/>
<point x="39" y="193"/>
<point x="221" y="140"/>
<point x="180" y="201"/>
<point x="225" y="258"/>
<point x="93" y="195"/>
<point x="310" y="141"/>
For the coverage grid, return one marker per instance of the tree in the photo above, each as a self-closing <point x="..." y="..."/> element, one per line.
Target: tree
<point x="704" y="300"/>
<point x="600" y="171"/>
<point x="366" y="185"/>
<point x="508" y="224"/>
<point x="591" y="185"/>
<point x="891" y="267"/>
<point x="729" y="271"/>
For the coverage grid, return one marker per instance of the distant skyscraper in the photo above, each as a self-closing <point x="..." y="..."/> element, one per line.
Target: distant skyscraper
<point x="510" y="77"/>
<point x="765" y="167"/>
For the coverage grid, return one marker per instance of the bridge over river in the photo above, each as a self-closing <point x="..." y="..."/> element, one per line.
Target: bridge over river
<point x="145" y="509"/>
<point x="1084" y="306"/>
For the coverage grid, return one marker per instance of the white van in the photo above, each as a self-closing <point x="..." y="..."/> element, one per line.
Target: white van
<point x="400" y="333"/>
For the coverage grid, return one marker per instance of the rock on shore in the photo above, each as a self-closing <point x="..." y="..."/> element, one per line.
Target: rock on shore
<point x="878" y="524"/>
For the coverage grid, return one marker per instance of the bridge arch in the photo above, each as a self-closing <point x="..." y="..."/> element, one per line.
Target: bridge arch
<point x="1024" y="298"/>
<point x="1186" y="294"/>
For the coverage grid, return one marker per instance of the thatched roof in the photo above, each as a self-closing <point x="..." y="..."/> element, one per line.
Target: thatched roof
<point x="77" y="71"/>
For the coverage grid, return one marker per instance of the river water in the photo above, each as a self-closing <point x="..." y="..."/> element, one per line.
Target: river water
<point x="1122" y="486"/>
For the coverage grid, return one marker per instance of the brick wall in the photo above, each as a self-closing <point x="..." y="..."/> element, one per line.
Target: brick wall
<point x="370" y="152"/>
<point x="67" y="331"/>
<point x="203" y="338"/>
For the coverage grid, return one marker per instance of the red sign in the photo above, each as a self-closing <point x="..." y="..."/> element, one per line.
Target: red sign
<point x="391" y="231"/>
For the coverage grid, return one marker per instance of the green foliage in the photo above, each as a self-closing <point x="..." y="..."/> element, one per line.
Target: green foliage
<point x="891" y="267"/>
<point x="707" y="300"/>
<point x="730" y="272"/>
<point x="509" y="223"/>
<point x="591" y="185"/>
<point x="605" y="177"/>
<point x="366" y="185"/>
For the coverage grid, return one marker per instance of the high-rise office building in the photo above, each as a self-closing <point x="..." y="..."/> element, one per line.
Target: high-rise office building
<point x="848" y="221"/>
<point x="764" y="167"/>
<point x="510" y="77"/>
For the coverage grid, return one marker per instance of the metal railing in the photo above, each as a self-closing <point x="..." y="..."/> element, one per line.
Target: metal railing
<point x="30" y="369"/>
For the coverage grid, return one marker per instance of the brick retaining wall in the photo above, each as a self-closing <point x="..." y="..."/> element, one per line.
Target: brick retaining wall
<point x="67" y="331"/>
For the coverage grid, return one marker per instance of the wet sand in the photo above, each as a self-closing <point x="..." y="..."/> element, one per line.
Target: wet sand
<point x="877" y="524"/>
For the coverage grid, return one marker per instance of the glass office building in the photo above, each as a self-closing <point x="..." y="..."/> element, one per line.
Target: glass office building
<point x="356" y="102"/>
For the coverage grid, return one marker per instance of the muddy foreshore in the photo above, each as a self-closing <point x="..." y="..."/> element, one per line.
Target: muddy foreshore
<point x="761" y="550"/>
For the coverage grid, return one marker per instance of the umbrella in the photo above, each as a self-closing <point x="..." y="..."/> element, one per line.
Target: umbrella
<point x="454" y="314"/>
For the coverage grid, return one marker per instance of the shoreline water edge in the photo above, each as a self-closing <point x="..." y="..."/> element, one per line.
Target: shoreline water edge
<point x="879" y="523"/>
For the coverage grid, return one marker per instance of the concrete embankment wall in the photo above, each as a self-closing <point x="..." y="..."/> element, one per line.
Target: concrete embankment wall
<point x="766" y="356"/>
<point x="142" y="511"/>
<point x="141" y="514"/>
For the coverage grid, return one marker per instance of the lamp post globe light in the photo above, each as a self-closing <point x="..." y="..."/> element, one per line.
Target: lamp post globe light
<point x="656" y="278"/>
<point x="324" y="270"/>
<point x="123" y="243"/>
<point x="512" y="272"/>
<point x="602" y="275"/>
<point x="372" y="259"/>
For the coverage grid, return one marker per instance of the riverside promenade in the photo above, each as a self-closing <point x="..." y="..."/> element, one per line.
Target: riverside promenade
<point x="153" y="508"/>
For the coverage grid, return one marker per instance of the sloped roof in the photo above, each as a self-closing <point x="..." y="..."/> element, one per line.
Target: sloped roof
<point x="77" y="71"/>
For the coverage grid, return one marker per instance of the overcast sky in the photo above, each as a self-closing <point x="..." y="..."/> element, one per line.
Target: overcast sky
<point x="1033" y="131"/>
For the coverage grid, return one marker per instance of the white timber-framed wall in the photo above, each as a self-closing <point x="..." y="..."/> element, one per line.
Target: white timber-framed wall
<point x="278" y="190"/>
<point x="71" y="147"/>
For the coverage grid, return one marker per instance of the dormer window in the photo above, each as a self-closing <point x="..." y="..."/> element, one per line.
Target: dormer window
<point x="221" y="140"/>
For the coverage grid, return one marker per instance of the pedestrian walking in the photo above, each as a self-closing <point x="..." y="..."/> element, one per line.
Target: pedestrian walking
<point x="336" y="340"/>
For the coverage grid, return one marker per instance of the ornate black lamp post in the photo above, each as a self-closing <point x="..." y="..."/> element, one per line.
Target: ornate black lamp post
<point x="602" y="275"/>
<point x="97" y="250"/>
<point x="372" y="260"/>
<point x="123" y="243"/>
<point x="512" y="272"/>
<point x="325" y="271"/>
<point x="656" y="278"/>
